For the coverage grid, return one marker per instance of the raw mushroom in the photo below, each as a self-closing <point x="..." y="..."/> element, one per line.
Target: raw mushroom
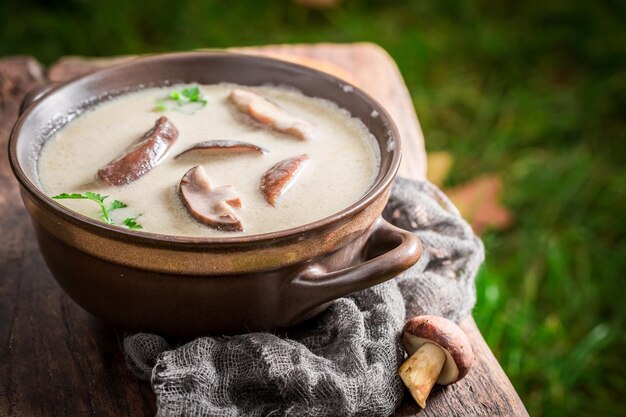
<point x="211" y="206"/>
<point x="439" y="352"/>
<point x="270" y="114"/>
<point x="279" y="177"/>
<point x="219" y="147"/>
<point x="142" y="156"/>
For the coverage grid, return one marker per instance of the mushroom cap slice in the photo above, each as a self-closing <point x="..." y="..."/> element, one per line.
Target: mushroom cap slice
<point x="211" y="206"/>
<point x="279" y="177"/>
<point x="142" y="156"/>
<point x="448" y="336"/>
<point x="219" y="147"/>
<point x="271" y="114"/>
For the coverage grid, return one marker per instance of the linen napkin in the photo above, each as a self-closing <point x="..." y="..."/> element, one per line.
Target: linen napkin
<point x="341" y="363"/>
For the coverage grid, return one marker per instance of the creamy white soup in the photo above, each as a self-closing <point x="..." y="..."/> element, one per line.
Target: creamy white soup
<point x="272" y="159"/>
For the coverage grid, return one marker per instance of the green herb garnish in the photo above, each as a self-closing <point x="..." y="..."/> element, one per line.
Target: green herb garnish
<point x="115" y="205"/>
<point x="187" y="100"/>
<point x="105" y="209"/>
<point x="132" y="224"/>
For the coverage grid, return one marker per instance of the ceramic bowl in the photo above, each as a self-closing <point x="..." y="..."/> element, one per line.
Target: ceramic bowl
<point x="188" y="286"/>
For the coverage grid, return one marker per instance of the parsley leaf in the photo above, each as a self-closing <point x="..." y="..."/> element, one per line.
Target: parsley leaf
<point x="95" y="197"/>
<point x="106" y="210"/>
<point x="66" y="195"/>
<point x="161" y="105"/>
<point x="115" y="205"/>
<point x="188" y="100"/>
<point x="132" y="224"/>
<point x="192" y="93"/>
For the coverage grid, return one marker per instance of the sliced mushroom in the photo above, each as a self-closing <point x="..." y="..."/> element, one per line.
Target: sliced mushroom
<point x="211" y="206"/>
<point x="219" y="147"/>
<point x="278" y="178"/>
<point x="439" y="352"/>
<point x="142" y="156"/>
<point x="270" y="114"/>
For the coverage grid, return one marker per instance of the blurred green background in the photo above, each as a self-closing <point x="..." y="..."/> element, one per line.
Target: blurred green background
<point x="534" y="91"/>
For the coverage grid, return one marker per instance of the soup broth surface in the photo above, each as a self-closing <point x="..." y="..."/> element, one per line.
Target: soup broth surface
<point x="343" y="160"/>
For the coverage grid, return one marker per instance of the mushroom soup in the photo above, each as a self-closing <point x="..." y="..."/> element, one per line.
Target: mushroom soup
<point x="211" y="160"/>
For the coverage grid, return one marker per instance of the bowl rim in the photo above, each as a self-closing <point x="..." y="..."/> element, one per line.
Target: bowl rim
<point x="151" y="238"/>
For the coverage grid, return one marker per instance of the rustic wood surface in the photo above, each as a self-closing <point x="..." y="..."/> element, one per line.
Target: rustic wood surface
<point x="56" y="360"/>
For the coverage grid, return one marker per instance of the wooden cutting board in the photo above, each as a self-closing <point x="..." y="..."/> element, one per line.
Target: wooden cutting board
<point x="56" y="360"/>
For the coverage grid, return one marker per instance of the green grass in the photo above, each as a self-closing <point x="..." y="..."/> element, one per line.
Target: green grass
<point x="534" y="91"/>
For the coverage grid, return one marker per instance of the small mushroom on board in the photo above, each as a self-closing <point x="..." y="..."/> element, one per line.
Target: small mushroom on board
<point x="270" y="114"/>
<point x="211" y="206"/>
<point x="142" y="156"/>
<point x="439" y="352"/>
<point x="221" y="147"/>
<point x="279" y="177"/>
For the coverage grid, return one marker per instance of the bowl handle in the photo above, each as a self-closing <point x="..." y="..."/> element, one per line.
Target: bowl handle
<point x="314" y="286"/>
<point x="35" y="94"/>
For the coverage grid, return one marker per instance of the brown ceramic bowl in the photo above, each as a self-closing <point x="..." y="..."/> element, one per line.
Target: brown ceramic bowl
<point x="182" y="286"/>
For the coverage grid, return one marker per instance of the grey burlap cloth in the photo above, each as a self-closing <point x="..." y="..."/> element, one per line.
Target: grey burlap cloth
<point x="343" y="362"/>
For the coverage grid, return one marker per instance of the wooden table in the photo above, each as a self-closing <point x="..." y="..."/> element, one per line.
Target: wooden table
<point x="57" y="360"/>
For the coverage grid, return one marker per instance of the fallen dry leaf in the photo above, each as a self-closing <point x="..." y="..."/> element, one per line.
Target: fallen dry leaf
<point x="479" y="202"/>
<point x="438" y="168"/>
